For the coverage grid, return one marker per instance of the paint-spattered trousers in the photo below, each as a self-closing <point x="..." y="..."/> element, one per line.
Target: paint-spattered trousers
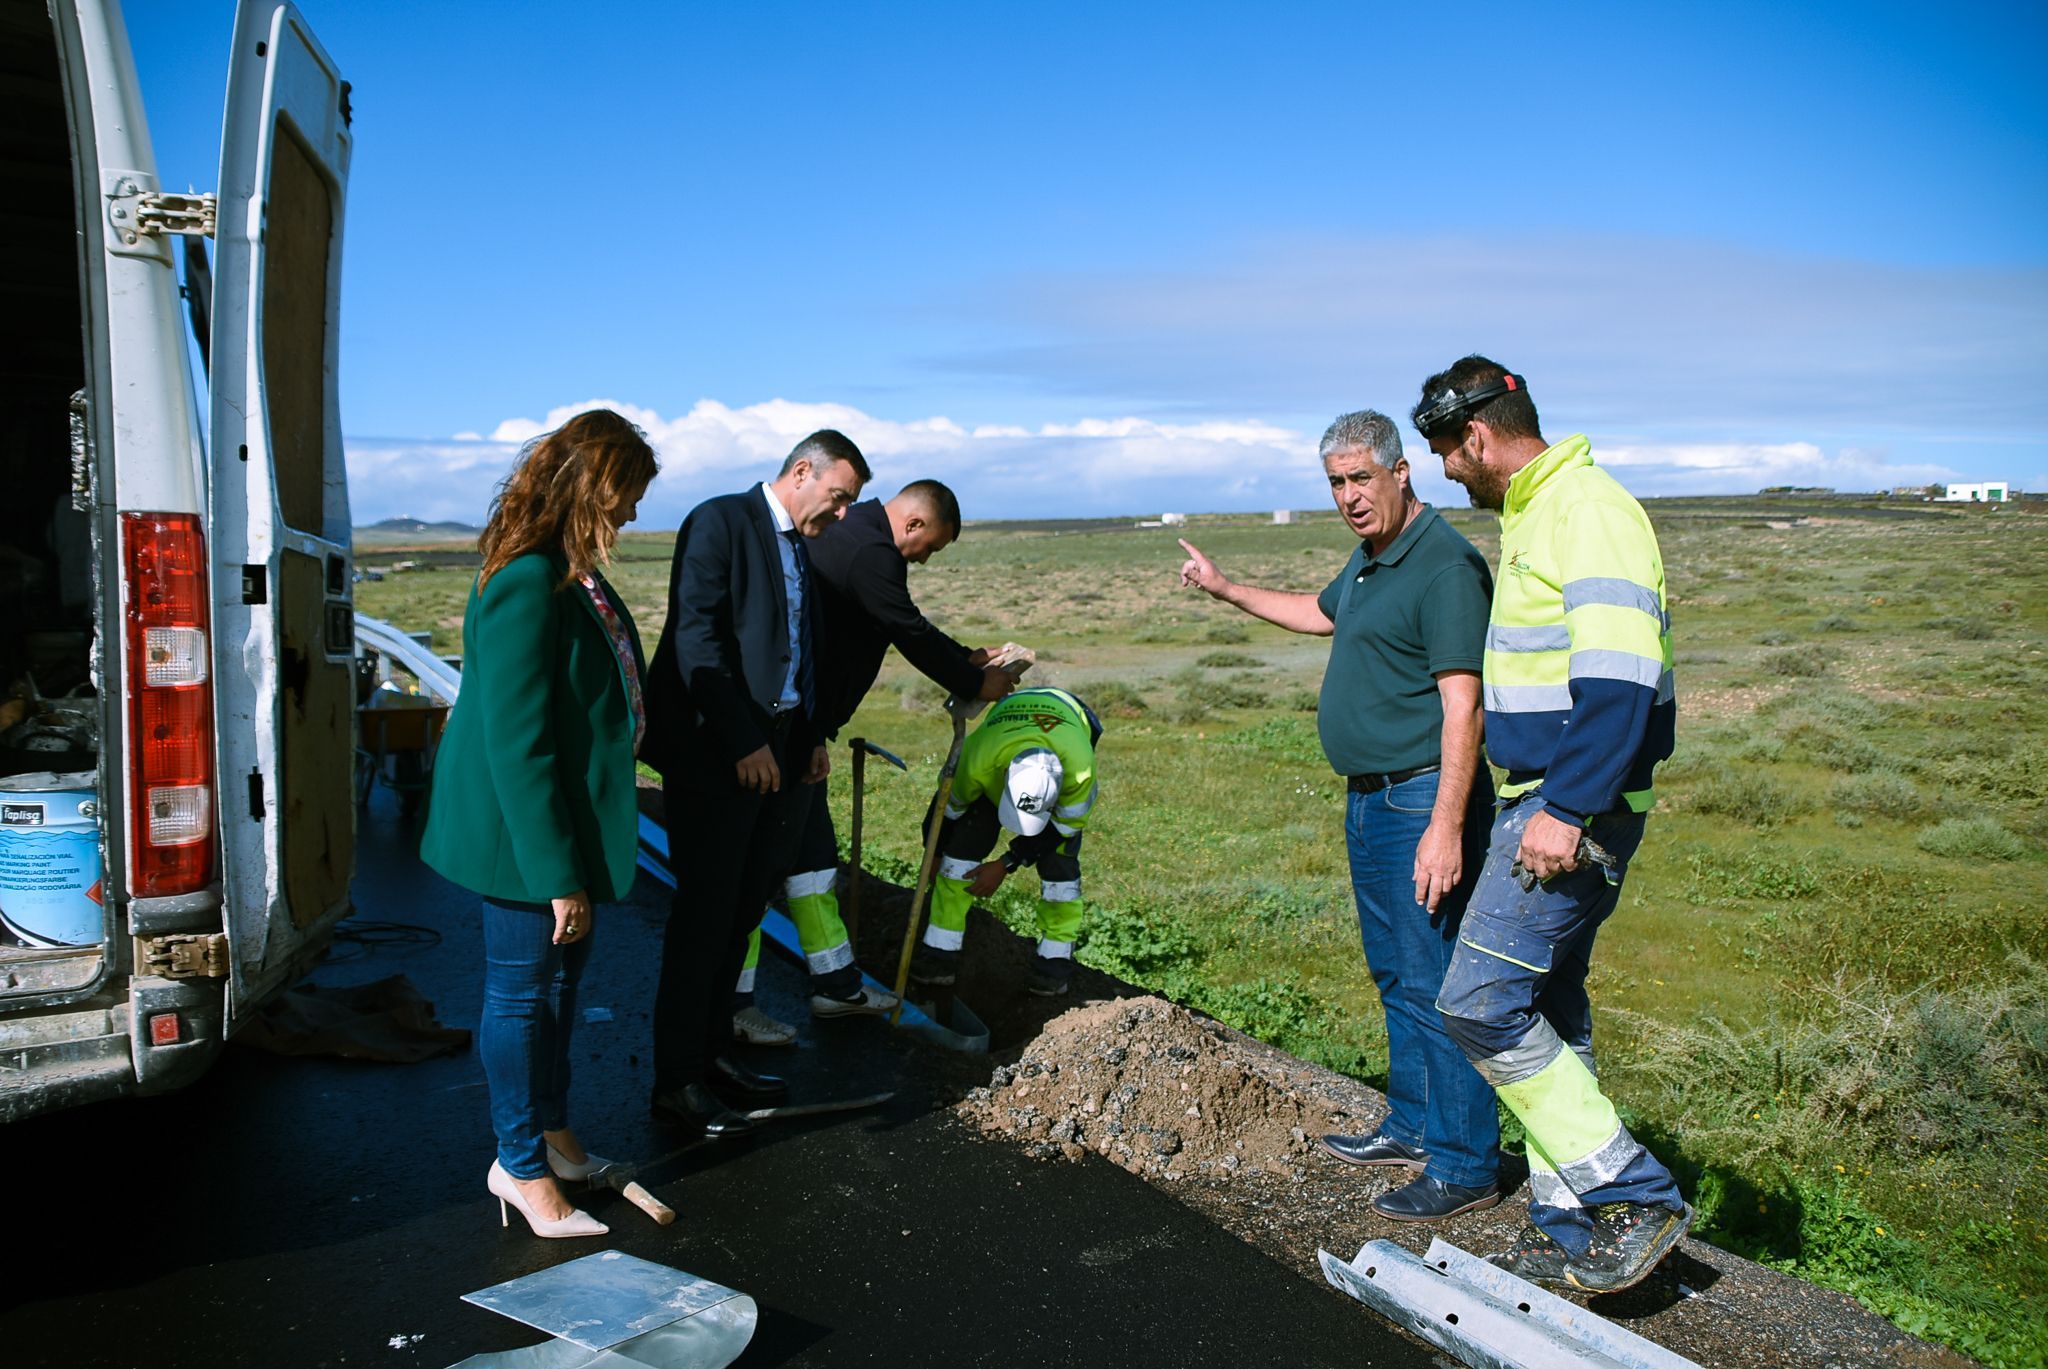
<point x="1515" y="1001"/>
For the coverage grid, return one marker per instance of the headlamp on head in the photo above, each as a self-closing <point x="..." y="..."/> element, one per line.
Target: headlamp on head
<point x="1447" y="410"/>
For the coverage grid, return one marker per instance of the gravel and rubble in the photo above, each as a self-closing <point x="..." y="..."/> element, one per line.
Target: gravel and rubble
<point x="1230" y="1126"/>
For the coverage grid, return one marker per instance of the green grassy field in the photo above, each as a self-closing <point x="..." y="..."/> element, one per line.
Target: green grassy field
<point x="1824" y="998"/>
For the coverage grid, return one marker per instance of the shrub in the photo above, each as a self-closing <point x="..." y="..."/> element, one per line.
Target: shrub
<point x="1300" y="701"/>
<point x="1140" y="944"/>
<point x="1219" y="691"/>
<point x="1239" y="691"/>
<point x="1869" y="1067"/>
<point x="1962" y="629"/>
<point x="1226" y="633"/>
<point x="1838" y="622"/>
<point x="1978" y="838"/>
<point x="1770" y="877"/>
<point x="1886" y="793"/>
<point x="1111" y="698"/>
<point x="1797" y="663"/>
<point x="1224" y="660"/>
<point x="1836" y="749"/>
<point x="1756" y="799"/>
<point x="1777" y="637"/>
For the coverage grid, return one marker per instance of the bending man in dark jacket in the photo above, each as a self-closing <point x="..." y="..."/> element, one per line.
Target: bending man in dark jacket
<point x="734" y="728"/>
<point x="862" y="565"/>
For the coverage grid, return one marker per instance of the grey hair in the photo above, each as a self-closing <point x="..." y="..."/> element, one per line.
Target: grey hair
<point x="1367" y="428"/>
<point x="827" y="447"/>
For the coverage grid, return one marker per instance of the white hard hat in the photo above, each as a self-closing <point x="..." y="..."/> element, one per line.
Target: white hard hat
<point x="1029" y="793"/>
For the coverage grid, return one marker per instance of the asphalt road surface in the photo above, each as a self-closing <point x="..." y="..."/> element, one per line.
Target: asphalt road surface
<point x="318" y="1211"/>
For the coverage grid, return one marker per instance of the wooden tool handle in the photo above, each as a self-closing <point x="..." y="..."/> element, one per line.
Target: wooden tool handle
<point x="654" y="1207"/>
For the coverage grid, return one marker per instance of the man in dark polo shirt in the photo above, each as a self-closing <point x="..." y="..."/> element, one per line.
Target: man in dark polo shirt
<point x="1400" y="717"/>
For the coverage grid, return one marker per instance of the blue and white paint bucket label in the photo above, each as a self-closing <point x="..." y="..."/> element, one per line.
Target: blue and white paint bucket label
<point x="50" y="891"/>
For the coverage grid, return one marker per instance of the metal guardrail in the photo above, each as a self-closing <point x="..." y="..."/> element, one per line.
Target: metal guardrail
<point x="435" y="675"/>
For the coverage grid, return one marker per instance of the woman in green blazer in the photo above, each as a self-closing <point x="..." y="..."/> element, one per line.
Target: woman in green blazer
<point x="533" y="804"/>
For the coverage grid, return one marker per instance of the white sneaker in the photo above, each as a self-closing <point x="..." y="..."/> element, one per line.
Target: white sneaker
<point x="872" y="1002"/>
<point x="757" y="1028"/>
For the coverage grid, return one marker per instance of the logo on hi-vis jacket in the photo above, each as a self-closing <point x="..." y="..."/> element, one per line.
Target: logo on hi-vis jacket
<point x="1044" y="722"/>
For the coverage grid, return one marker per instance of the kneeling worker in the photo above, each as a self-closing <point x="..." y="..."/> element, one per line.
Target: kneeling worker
<point x="1028" y="769"/>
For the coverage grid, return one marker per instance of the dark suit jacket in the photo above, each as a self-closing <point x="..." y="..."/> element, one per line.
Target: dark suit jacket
<point x="724" y="651"/>
<point x="866" y="608"/>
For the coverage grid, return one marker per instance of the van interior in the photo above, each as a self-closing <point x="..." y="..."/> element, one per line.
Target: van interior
<point x="49" y="712"/>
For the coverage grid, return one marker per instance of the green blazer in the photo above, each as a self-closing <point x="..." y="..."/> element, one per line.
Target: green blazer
<point x="533" y="792"/>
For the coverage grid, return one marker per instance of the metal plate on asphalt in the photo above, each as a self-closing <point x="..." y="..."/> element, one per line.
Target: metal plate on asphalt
<point x="602" y="1300"/>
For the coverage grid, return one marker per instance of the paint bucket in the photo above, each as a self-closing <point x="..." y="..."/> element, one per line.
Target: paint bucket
<point x="50" y="859"/>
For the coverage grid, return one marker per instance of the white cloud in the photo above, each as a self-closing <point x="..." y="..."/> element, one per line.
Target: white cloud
<point x="1089" y="467"/>
<point x="1741" y="468"/>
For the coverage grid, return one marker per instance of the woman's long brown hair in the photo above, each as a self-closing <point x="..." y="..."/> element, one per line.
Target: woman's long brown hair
<point x="560" y="493"/>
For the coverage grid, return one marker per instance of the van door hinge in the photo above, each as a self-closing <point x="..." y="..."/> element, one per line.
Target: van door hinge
<point x="165" y="213"/>
<point x="201" y="956"/>
<point x="140" y="217"/>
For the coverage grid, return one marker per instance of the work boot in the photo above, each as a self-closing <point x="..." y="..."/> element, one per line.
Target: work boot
<point x="934" y="966"/>
<point x="1628" y="1240"/>
<point x="865" y="1001"/>
<point x="1050" y="977"/>
<point x="1377" y="1149"/>
<point x="1533" y="1256"/>
<point x="1432" y="1200"/>
<point x="757" y="1028"/>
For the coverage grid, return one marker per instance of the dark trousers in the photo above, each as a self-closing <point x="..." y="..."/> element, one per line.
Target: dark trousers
<point x="729" y="849"/>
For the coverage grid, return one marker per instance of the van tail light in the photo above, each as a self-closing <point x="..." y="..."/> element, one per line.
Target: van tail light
<point x="170" y="707"/>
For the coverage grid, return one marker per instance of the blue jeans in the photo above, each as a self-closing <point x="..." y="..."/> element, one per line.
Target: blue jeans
<point x="1435" y="1100"/>
<point x="529" y="1007"/>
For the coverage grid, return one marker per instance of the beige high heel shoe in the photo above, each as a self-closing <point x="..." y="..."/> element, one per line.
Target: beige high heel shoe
<point x="565" y="1168"/>
<point x="577" y="1223"/>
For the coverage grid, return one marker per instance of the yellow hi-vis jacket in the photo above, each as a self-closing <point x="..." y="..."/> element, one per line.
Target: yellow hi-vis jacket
<point x="1578" y="682"/>
<point x="1030" y="720"/>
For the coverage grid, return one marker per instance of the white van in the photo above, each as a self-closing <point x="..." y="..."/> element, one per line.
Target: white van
<point x="176" y="631"/>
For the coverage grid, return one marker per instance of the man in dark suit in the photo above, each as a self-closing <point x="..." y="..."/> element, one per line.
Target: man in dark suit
<point x="733" y="727"/>
<point x="862" y="564"/>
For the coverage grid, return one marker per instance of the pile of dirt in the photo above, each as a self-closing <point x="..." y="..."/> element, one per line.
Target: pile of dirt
<point x="1152" y="1087"/>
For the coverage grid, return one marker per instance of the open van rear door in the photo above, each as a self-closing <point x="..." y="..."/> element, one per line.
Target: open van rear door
<point x="284" y="620"/>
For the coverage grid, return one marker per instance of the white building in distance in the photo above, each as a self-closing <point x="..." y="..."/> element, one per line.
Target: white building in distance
<point x="1283" y="517"/>
<point x="1978" y="492"/>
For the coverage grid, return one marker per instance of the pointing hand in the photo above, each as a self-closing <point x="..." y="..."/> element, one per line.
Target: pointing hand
<point x="1199" y="571"/>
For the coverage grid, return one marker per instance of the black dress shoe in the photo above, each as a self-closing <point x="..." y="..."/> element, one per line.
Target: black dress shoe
<point x="1432" y="1200"/>
<point x="1375" y="1150"/>
<point x="735" y="1082"/>
<point x="698" y="1109"/>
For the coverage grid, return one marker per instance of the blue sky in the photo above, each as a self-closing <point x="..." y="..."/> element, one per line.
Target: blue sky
<point x="1087" y="259"/>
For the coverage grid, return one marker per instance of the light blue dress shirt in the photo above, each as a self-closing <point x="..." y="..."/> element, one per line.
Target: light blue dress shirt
<point x="793" y="580"/>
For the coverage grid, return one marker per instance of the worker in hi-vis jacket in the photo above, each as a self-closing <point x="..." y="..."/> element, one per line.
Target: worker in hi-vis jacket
<point x="1029" y="769"/>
